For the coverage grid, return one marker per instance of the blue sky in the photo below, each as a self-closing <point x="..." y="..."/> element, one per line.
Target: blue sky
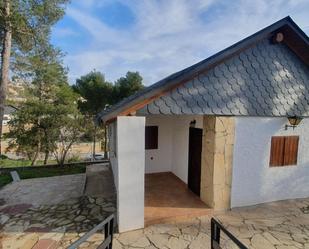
<point x="160" y="37"/>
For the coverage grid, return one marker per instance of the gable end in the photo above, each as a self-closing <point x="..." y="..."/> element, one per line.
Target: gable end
<point x="264" y="80"/>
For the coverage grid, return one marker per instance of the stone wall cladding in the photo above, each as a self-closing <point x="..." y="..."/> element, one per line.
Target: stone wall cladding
<point x="263" y="80"/>
<point x="217" y="161"/>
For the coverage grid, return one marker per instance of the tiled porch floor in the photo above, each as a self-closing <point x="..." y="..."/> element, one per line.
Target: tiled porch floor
<point x="167" y="199"/>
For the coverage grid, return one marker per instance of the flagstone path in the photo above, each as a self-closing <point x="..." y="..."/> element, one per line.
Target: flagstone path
<point x="276" y="225"/>
<point x="46" y="190"/>
<point x="55" y="222"/>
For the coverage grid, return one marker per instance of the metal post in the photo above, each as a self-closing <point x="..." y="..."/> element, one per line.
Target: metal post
<point x="111" y="229"/>
<point x="215" y="235"/>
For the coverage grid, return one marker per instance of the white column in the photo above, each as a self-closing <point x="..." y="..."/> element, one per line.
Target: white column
<point x="131" y="172"/>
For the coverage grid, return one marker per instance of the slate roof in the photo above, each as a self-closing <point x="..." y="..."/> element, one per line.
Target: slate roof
<point x="264" y="80"/>
<point x="252" y="77"/>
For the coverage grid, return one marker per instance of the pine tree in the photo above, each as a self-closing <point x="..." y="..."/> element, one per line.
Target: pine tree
<point x="24" y="25"/>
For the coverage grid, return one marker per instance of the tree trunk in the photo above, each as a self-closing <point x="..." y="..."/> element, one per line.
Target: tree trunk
<point x="5" y="62"/>
<point x="35" y="157"/>
<point x="94" y="141"/>
<point x="29" y="156"/>
<point x="65" y="152"/>
<point x="62" y="161"/>
<point x="46" y="157"/>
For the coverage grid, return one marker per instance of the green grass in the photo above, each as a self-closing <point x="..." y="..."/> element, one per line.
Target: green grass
<point x="12" y="163"/>
<point x="25" y="173"/>
<point x="5" y="179"/>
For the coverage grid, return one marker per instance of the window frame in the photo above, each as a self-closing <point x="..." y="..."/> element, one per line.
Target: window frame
<point x="285" y="152"/>
<point x="151" y="137"/>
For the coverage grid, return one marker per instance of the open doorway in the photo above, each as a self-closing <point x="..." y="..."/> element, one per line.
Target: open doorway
<point x="194" y="160"/>
<point x="172" y="187"/>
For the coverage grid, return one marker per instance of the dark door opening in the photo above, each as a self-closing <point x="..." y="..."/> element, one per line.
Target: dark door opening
<point x="194" y="166"/>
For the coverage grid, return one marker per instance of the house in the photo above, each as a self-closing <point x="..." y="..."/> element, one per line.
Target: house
<point x="233" y="129"/>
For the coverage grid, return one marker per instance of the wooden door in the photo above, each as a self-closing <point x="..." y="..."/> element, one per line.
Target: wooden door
<point x="194" y="167"/>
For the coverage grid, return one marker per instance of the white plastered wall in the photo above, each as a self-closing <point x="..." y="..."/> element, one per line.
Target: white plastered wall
<point x="253" y="180"/>
<point x="160" y="160"/>
<point x="128" y="163"/>
<point x="173" y="144"/>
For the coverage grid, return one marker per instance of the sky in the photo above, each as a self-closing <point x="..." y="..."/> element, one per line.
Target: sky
<point x="160" y="37"/>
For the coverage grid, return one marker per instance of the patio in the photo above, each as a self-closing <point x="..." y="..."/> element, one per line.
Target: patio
<point x="54" y="212"/>
<point x="275" y="225"/>
<point x="168" y="199"/>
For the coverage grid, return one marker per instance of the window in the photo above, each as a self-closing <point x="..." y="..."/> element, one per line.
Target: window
<point x="151" y="137"/>
<point x="283" y="151"/>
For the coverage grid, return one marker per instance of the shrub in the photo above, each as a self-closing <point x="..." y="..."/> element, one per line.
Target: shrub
<point x="2" y="157"/>
<point x="73" y="159"/>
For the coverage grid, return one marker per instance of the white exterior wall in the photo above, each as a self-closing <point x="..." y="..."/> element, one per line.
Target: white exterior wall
<point x="253" y="180"/>
<point x="128" y="165"/>
<point x="160" y="160"/>
<point x="180" y="154"/>
<point x="173" y="142"/>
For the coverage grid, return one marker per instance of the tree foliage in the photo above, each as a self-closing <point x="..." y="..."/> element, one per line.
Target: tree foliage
<point x="30" y="21"/>
<point x="49" y="126"/>
<point x="49" y="121"/>
<point x="127" y="86"/>
<point x="95" y="91"/>
<point x="25" y="25"/>
<point x="97" y="94"/>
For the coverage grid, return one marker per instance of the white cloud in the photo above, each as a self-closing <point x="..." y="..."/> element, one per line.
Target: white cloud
<point x="63" y="32"/>
<point x="169" y="35"/>
<point x="97" y="29"/>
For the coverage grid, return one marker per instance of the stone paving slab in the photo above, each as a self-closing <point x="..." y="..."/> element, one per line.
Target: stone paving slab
<point x="62" y="223"/>
<point x="34" y="226"/>
<point x="44" y="191"/>
<point x="100" y="180"/>
<point x="276" y="225"/>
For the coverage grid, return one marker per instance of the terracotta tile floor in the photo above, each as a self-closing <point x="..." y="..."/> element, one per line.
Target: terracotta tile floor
<point x="167" y="199"/>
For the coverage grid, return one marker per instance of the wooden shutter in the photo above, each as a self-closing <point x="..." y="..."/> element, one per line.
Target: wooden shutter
<point x="276" y="151"/>
<point x="151" y="137"/>
<point x="284" y="151"/>
<point x="290" y="150"/>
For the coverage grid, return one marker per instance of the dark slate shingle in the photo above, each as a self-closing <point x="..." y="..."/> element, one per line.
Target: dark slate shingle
<point x="264" y="80"/>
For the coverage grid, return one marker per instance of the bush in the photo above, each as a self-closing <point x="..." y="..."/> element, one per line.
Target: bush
<point x="2" y="157"/>
<point x="5" y="178"/>
<point x="74" y="159"/>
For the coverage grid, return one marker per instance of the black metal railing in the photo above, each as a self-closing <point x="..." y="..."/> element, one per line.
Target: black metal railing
<point x="216" y="228"/>
<point x="108" y="225"/>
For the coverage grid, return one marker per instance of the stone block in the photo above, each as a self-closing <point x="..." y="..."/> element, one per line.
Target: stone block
<point x="220" y="124"/>
<point x="217" y="161"/>
<point x="220" y="143"/>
